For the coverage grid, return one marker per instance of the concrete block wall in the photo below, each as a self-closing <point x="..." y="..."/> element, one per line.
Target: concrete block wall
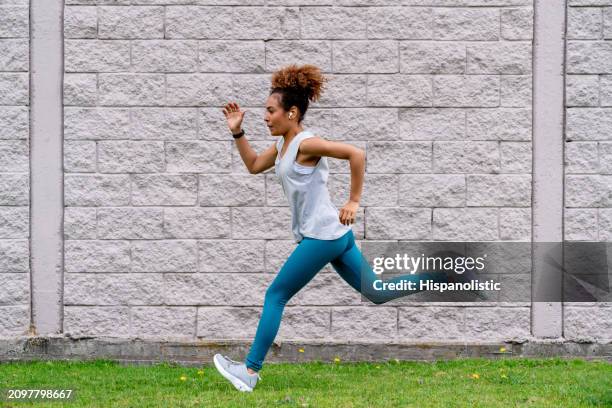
<point x="588" y="149"/>
<point x="168" y="235"/>
<point x="165" y="233"/>
<point x="14" y="168"/>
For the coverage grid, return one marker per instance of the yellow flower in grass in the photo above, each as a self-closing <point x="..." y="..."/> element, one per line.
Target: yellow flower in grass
<point x="301" y="350"/>
<point x="183" y="378"/>
<point x="475" y="376"/>
<point x="201" y="372"/>
<point x="336" y="359"/>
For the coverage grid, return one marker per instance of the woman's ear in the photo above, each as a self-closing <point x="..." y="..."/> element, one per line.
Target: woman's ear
<point x="293" y="113"/>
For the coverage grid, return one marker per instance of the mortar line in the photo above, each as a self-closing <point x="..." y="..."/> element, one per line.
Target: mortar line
<point x="31" y="326"/>
<point x="564" y="127"/>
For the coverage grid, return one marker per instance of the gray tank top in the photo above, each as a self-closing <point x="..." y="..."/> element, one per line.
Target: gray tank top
<point x="312" y="212"/>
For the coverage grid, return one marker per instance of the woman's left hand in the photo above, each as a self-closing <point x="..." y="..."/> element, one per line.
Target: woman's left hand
<point x="348" y="213"/>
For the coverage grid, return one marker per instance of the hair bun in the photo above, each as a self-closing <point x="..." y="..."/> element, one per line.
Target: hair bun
<point x="306" y="79"/>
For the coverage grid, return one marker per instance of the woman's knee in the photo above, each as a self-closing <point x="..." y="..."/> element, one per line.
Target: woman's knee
<point x="275" y="294"/>
<point x="375" y="298"/>
<point x="378" y="301"/>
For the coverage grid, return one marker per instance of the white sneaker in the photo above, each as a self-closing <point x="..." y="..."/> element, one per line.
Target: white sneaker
<point x="236" y="373"/>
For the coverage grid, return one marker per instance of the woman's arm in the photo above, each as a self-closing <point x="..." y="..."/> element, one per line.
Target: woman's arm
<point x="316" y="146"/>
<point x="256" y="163"/>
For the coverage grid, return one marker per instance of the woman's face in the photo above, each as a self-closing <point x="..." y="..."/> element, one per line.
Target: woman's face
<point x="277" y="119"/>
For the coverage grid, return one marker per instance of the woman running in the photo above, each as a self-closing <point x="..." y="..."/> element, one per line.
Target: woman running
<point x="323" y="233"/>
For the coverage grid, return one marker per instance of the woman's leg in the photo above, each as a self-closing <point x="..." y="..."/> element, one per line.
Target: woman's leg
<point x="308" y="258"/>
<point x="355" y="270"/>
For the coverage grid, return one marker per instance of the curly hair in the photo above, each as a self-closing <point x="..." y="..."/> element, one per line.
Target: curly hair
<point x="297" y="86"/>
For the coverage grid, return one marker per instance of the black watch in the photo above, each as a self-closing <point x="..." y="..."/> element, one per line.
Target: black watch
<point x="238" y="135"/>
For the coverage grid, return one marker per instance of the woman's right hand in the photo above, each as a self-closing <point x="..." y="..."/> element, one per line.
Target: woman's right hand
<point x="234" y="116"/>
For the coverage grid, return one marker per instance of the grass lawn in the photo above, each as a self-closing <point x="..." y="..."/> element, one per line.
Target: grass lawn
<point x="457" y="383"/>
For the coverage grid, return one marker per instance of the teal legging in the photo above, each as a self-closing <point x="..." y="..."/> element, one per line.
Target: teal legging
<point x="308" y="258"/>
